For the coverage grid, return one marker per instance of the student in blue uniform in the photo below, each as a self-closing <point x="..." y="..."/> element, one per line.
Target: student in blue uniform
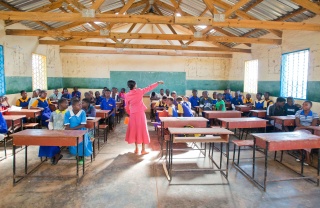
<point x="89" y="109"/>
<point x="108" y="103"/>
<point x="237" y="99"/>
<point x="183" y="108"/>
<point x="214" y="98"/>
<point x="66" y="94"/>
<point x="290" y="107"/>
<point x="258" y="103"/>
<point x="75" y="119"/>
<point x="98" y="99"/>
<point x="194" y="99"/>
<point x="172" y="111"/>
<point x="43" y="103"/>
<point x="55" y="123"/>
<point x="24" y="100"/>
<point x="227" y="95"/>
<point x="76" y="93"/>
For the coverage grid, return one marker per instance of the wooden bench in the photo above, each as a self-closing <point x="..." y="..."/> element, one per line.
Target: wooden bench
<point x="239" y="144"/>
<point x="105" y="133"/>
<point x="30" y="125"/>
<point x="206" y="139"/>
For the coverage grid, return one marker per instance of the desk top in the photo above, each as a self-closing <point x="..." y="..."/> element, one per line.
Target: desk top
<point x="102" y="111"/>
<point x="317" y="128"/>
<point x="49" y="133"/>
<point x="286" y="136"/>
<point x="96" y="119"/>
<point x="182" y="119"/>
<point x="223" y="112"/>
<point x="13" y="117"/>
<point x="242" y="106"/>
<point x="26" y="110"/>
<point x="243" y="119"/>
<point x="259" y="111"/>
<point x="214" y="130"/>
<point x="283" y="117"/>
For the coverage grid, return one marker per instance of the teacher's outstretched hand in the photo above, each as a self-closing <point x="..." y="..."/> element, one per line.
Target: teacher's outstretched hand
<point x="160" y="82"/>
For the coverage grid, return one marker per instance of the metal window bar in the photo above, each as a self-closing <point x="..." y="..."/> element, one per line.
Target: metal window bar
<point x="2" y="76"/>
<point x="39" y="72"/>
<point x="251" y="76"/>
<point x="294" y="74"/>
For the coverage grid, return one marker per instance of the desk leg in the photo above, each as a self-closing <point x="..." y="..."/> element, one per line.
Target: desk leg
<point x="266" y="166"/>
<point x="254" y="157"/>
<point x="171" y="155"/>
<point x="21" y="123"/>
<point x="302" y="159"/>
<point x="26" y="161"/>
<point x="12" y="125"/>
<point x="227" y="159"/>
<point x="83" y="149"/>
<point x="318" y="166"/>
<point x="14" y="163"/>
<point x="77" y="156"/>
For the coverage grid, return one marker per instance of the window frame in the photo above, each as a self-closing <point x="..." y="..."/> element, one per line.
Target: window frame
<point x="46" y="72"/>
<point x="244" y="79"/>
<point x="281" y="74"/>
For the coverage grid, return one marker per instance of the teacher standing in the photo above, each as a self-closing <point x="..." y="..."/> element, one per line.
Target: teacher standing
<point x="137" y="131"/>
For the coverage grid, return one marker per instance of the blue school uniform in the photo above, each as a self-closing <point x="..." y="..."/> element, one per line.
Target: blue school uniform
<point x="23" y="102"/>
<point x="98" y="100"/>
<point x="173" y="111"/>
<point x="187" y="112"/>
<point x="227" y="97"/>
<point x="46" y="113"/>
<point x="66" y="96"/>
<point x="214" y="101"/>
<point x="195" y="101"/>
<point x="76" y="94"/>
<point x="75" y="120"/>
<point x="236" y="101"/>
<point x="108" y="104"/>
<point x="259" y="104"/>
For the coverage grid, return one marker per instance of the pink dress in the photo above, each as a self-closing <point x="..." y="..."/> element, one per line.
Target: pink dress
<point x="137" y="131"/>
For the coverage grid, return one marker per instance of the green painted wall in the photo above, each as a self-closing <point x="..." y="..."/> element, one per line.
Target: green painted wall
<point x="90" y="83"/>
<point x="16" y="84"/>
<point x="206" y="84"/>
<point x="173" y="80"/>
<point x="54" y="82"/>
<point x="269" y="86"/>
<point x="313" y="93"/>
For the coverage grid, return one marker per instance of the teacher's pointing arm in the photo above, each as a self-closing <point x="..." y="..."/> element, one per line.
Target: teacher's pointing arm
<point x="151" y="87"/>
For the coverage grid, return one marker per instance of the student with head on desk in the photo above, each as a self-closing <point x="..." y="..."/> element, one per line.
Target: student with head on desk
<point x="267" y="100"/>
<point x="108" y="103"/>
<point x="220" y="105"/>
<point x="75" y="119"/>
<point x="258" y="103"/>
<point x="24" y="100"/>
<point x="56" y="95"/>
<point x="88" y="108"/>
<point x="194" y="99"/>
<point x="183" y="108"/>
<point x="56" y="122"/>
<point x="43" y="103"/>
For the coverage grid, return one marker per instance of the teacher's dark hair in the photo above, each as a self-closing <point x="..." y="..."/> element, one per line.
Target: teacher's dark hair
<point x="131" y="84"/>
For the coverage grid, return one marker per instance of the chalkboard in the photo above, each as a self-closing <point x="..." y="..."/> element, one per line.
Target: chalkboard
<point x="172" y="80"/>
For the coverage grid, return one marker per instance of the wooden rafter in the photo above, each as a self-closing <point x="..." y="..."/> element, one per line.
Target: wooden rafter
<point x="138" y="30"/>
<point x="315" y="8"/>
<point x="122" y="11"/>
<point x="235" y="7"/>
<point x="140" y="46"/>
<point x="160" y="53"/>
<point x="209" y="4"/>
<point x="143" y="36"/>
<point x="96" y="4"/>
<point x="162" y="32"/>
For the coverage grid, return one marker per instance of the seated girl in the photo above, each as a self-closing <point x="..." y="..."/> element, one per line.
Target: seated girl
<point x="75" y="119"/>
<point x="55" y="123"/>
<point x="43" y="103"/>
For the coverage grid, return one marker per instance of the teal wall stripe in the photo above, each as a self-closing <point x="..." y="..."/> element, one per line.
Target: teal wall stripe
<point x="90" y="83"/>
<point x="269" y="86"/>
<point x="54" y="82"/>
<point x="206" y="84"/>
<point x="16" y="84"/>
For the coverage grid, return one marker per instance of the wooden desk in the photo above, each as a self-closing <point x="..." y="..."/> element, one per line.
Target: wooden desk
<point x="102" y="113"/>
<point x="97" y="107"/>
<point x="224" y="137"/>
<point x="222" y="114"/>
<point x="284" y="141"/>
<point x="284" y="121"/>
<point x="243" y="123"/>
<point x="183" y="121"/>
<point x="14" y="121"/>
<point x="243" y="108"/>
<point x="314" y="129"/>
<point x="259" y="113"/>
<point x="93" y="124"/>
<point x="29" y="113"/>
<point x="44" y="137"/>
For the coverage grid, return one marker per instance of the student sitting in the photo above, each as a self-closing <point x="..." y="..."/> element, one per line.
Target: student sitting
<point x="186" y="100"/>
<point x="267" y="100"/>
<point x="24" y="100"/>
<point x="56" y="95"/>
<point x="290" y="107"/>
<point x="87" y="95"/>
<point x="114" y="94"/>
<point x="160" y="105"/>
<point x="258" y="103"/>
<point x="56" y="122"/>
<point x="76" y="93"/>
<point x="4" y="102"/>
<point x="183" y="108"/>
<point x="109" y="104"/>
<point x="66" y="94"/>
<point x="237" y="99"/>
<point x="248" y="100"/>
<point x="43" y="103"/>
<point x="220" y="105"/>
<point x="167" y="93"/>
<point x="3" y="127"/>
<point x="277" y="110"/>
<point x="75" y="119"/>
<point x="194" y="100"/>
<point x="122" y="93"/>
<point x="206" y="101"/>
<point x="154" y="96"/>
<point x="306" y="117"/>
<point x="35" y="95"/>
<point x="88" y="108"/>
<point x="174" y="96"/>
<point x="227" y="95"/>
<point x="161" y="94"/>
<point x="214" y="98"/>
<point x="172" y="111"/>
<point x="98" y="99"/>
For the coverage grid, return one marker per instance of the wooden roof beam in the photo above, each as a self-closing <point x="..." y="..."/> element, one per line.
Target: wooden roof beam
<point x="235" y="7"/>
<point x="210" y="6"/>
<point x="140" y="46"/>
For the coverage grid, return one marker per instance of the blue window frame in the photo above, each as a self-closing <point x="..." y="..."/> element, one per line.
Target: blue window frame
<point x="294" y="74"/>
<point x="2" y="77"/>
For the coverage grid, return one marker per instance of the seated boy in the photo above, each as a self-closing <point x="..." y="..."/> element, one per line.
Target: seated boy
<point x="24" y="100"/>
<point x="184" y="109"/>
<point x="237" y="99"/>
<point x="248" y="100"/>
<point x="98" y="99"/>
<point x="214" y="98"/>
<point x="56" y="95"/>
<point x="290" y="107"/>
<point x="108" y="103"/>
<point x="172" y="111"/>
<point x="258" y="103"/>
<point x="88" y="108"/>
<point x="267" y="100"/>
<point x="277" y="110"/>
<point x="194" y="100"/>
<point x="220" y="105"/>
<point x="76" y="93"/>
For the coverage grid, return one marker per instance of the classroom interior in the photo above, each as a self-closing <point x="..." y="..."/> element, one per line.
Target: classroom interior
<point x="193" y="50"/>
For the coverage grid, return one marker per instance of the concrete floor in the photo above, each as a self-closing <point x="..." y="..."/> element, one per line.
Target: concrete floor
<point x="119" y="178"/>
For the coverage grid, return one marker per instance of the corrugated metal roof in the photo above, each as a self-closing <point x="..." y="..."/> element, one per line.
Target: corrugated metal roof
<point x="266" y="10"/>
